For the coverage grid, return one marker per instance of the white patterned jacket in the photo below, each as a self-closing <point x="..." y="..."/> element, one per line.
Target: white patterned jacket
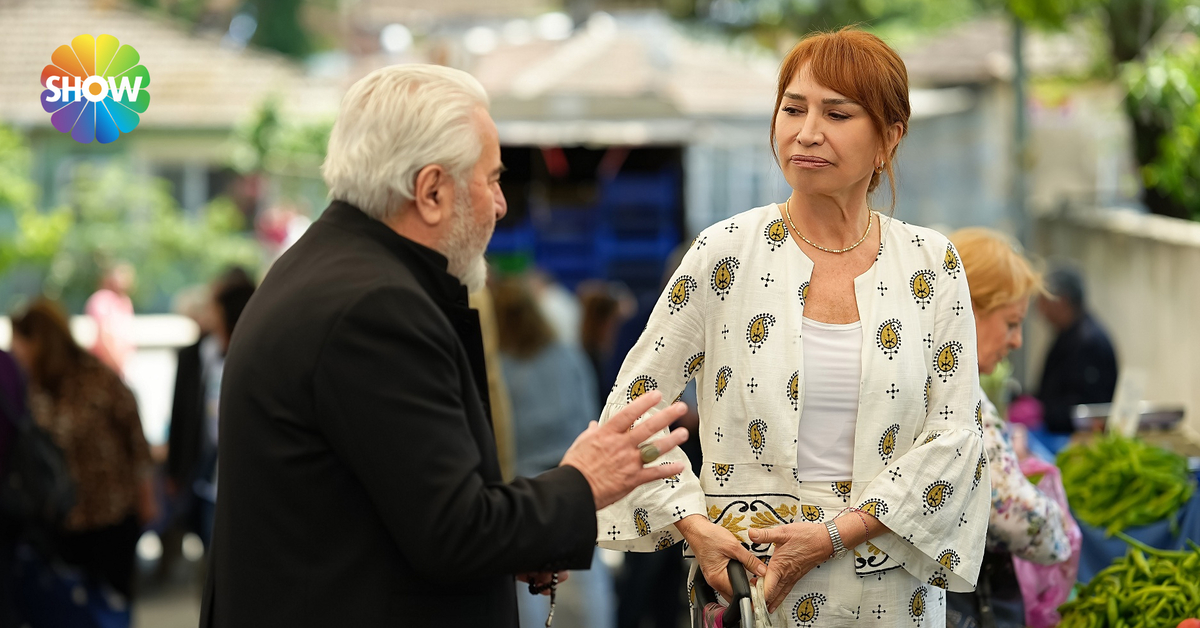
<point x="731" y="318"/>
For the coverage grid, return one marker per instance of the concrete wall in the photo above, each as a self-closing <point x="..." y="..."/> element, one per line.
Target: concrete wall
<point x="1143" y="284"/>
<point x="728" y="169"/>
<point x="954" y="170"/>
<point x="1080" y="150"/>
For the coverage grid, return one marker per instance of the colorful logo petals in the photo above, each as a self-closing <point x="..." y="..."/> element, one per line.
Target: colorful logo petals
<point x="112" y="88"/>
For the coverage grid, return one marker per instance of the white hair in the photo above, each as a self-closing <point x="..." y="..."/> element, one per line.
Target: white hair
<point x="396" y="121"/>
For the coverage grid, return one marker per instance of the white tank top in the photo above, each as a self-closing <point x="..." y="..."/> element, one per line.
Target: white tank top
<point x="832" y="371"/>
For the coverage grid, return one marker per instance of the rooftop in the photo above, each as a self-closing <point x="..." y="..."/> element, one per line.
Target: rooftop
<point x="980" y="51"/>
<point x="638" y="66"/>
<point x="195" y="81"/>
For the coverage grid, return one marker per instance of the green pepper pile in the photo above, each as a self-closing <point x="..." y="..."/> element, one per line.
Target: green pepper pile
<point x="1116" y="483"/>
<point x="1148" y="588"/>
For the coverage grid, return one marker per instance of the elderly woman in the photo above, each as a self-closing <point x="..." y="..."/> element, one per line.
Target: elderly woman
<point x="1024" y="522"/>
<point x="834" y="351"/>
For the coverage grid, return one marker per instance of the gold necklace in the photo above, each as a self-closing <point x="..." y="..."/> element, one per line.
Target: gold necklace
<point x="787" y="212"/>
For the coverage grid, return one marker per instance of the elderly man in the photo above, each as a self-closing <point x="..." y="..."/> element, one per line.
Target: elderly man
<point x="358" y="481"/>
<point x="1081" y="366"/>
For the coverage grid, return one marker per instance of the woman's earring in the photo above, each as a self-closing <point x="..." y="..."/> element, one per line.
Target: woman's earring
<point x="879" y="170"/>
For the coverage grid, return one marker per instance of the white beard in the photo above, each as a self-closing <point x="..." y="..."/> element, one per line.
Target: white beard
<point x="464" y="245"/>
<point x="475" y="276"/>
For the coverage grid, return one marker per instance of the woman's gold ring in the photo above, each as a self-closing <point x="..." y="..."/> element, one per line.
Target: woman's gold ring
<point x="650" y="453"/>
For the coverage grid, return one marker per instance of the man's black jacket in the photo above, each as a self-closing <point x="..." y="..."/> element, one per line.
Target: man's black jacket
<point x="1081" y="367"/>
<point x="358" y="481"/>
<point x="186" y="436"/>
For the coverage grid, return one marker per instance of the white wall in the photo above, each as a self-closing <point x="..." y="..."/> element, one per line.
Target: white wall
<point x="1142" y="275"/>
<point x="1080" y="150"/>
<point x="728" y="169"/>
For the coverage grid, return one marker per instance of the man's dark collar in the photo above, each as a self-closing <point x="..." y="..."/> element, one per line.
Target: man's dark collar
<point x="426" y="264"/>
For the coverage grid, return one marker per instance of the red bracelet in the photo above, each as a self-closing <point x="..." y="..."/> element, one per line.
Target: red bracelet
<point x="866" y="528"/>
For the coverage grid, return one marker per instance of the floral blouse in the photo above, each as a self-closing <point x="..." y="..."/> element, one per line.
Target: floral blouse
<point x="1024" y="522"/>
<point x="731" y="319"/>
<point x="95" y="422"/>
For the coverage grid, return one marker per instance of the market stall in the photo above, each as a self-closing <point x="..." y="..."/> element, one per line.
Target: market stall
<point x="1144" y="487"/>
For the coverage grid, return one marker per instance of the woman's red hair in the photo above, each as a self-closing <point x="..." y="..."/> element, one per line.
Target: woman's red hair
<point x="859" y="66"/>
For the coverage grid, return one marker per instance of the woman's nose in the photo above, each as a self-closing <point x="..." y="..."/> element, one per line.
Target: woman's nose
<point x="810" y="131"/>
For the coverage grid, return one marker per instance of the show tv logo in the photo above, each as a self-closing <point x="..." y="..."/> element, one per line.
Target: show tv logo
<point x="95" y="89"/>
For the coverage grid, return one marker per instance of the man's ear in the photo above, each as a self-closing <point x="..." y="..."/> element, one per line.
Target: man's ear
<point x="434" y="195"/>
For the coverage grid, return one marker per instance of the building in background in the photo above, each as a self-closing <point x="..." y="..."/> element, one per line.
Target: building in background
<point x="568" y="77"/>
<point x="958" y="164"/>
<point x="203" y="87"/>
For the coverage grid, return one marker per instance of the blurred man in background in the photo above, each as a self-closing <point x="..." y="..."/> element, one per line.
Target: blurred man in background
<point x="606" y="305"/>
<point x="1081" y="366"/>
<point x="192" y="437"/>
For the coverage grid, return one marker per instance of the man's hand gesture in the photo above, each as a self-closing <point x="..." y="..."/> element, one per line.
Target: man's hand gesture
<point x="608" y="455"/>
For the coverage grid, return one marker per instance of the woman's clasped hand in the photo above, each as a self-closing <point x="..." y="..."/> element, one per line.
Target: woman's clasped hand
<point x="799" y="548"/>
<point x="714" y="546"/>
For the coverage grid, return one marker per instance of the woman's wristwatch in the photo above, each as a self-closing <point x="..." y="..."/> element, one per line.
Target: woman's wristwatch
<point x="839" y="549"/>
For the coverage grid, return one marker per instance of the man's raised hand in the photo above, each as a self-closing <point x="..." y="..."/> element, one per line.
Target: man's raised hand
<point x="608" y="455"/>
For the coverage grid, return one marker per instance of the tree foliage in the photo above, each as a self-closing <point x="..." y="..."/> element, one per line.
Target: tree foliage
<point x="1164" y="93"/>
<point x="1162" y="83"/>
<point x="279" y="24"/>
<point x="285" y="152"/>
<point x="110" y="215"/>
<point x="1050" y="14"/>
<point x="269" y="142"/>
<point x="279" y="27"/>
<point x="770" y="21"/>
<point x="26" y="235"/>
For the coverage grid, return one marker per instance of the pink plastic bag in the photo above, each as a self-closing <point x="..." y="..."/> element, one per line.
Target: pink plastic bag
<point x="1027" y="411"/>
<point x="1046" y="587"/>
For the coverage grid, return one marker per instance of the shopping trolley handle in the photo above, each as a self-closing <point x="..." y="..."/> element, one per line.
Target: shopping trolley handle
<point x="740" y="612"/>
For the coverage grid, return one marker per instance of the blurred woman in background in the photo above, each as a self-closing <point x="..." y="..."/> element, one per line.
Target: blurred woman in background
<point x="93" y="417"/>
<point x="606" y="306"/>
<point x="551" y="383"/>
<point x="1024" y="522"/>
<point x="112" y="310"/>
<point x="552" y="388"/>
